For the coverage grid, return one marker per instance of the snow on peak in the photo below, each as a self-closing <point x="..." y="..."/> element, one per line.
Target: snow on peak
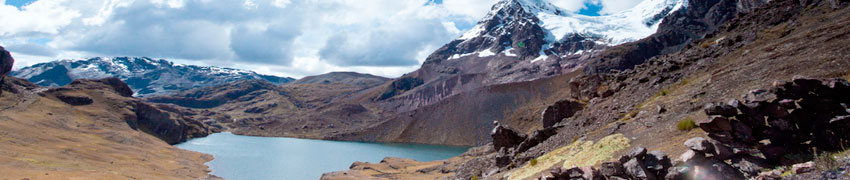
<point x="625" y="26"/>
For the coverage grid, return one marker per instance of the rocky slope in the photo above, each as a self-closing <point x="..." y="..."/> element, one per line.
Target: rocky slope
<point x="643" y="106"/>
<point x="145" y="76"/>
<point x="93" y="129"/>
<point x="521" y="40"/>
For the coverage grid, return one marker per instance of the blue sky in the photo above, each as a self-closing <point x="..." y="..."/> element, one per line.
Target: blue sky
<point x="18" y="3"/>
<point x="281" y="37"/>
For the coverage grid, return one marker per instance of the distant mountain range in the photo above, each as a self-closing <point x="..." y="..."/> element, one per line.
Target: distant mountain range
<point x="144" y="75"/>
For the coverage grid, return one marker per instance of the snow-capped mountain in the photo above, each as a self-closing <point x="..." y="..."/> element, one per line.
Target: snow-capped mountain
<point x="536" y="29"/>
<point x="144" y="75"/>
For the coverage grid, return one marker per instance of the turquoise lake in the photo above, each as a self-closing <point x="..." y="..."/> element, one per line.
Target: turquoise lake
<point x="249" y="158"/>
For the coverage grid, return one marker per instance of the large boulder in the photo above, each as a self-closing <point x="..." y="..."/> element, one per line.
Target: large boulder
<point x="636" y="169"/>
<point x="700" y="144"/>
<point x="612" y="169"/>
<point x="714" y="124"/>
<point x="720" y="109"/>
<point x="504" y="137"/>
<point x="560" y="110"/>
<point x="6" y="62"/>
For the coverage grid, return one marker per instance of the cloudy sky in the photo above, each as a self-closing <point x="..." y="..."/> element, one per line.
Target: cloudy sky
<point x="293" y="38"/>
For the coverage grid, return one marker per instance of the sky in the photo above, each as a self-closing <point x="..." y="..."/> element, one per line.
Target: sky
<point x="293" y="38"/>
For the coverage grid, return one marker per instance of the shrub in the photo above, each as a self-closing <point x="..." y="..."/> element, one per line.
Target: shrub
<point x="532" y="162"/>
<point x="664" y="92"/>
<point x="706" y="43"/>
<point x="686" y="124"/>
<point x="474" y="177"/>
<point x="685" y="82"/>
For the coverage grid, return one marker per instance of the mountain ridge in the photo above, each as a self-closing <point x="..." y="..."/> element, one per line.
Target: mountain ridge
<point x="145" y="76"/>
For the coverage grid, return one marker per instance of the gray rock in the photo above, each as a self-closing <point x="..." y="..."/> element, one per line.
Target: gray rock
<point x="803" y="167"/>
<point x="714" y="124"/>
<point x="637" y="170"/>
<point x="720" y="109"/>
<point x="657" y="162"/>
<point x="726" y="171"/>
<point x="638" y="152"/>
<point x="504" y="137"/>
<point x="692" y="156"/>
<point x="611" y="169"/>
<point x="721" y="151"/>
<point x="748" y="165"/>
<point x="677" y="173"/>
<point x="700" y="144"/>
<point x="562" y="109"/>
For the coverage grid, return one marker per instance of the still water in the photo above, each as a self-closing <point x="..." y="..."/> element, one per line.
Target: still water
<point x="248" y="158"/>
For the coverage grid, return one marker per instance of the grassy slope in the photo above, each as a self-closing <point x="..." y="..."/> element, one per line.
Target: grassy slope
<point x="44" y="138"/>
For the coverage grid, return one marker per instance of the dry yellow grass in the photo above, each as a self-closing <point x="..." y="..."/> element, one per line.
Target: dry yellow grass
<point x="43" y="138"/>
<point x="577" y="154"/>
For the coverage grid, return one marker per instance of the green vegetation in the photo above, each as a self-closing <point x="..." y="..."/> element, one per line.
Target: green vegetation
<point x="686" y="124"/>
<point x="474" y="177"/>
<point x="707" y="43"/>
<point x="684" y="82"/>
<point x="664" y="92"/>
<point x="521" y="44"/>
<point x="532" y="162"/>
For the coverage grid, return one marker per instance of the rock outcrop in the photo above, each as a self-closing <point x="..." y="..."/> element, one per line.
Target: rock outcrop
<point x="75" y="100"/>
<point x="6" y="62"/>
<point x="560" y="110"/>
<point x="171" y="128"/>
<point x="172" y="125"/>
<point x="505" y="137"/>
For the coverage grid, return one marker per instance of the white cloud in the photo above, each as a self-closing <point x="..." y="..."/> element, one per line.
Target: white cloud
<point x="281" y="37"/>
<point x="615" y="6"/>
<point x="38" y="17"/>
<point x="281" y="3"/>
<point x="473" y="9"/>
<point x="570" y="5"/>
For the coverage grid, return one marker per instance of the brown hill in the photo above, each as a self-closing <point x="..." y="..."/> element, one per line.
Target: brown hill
<point x="348" y="78"/>
<point x="92" y="129"/>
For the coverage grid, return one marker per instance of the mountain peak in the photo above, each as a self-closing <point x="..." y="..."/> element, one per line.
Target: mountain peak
<point x="146" y="76"/>
<point x="535" y="29"/>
